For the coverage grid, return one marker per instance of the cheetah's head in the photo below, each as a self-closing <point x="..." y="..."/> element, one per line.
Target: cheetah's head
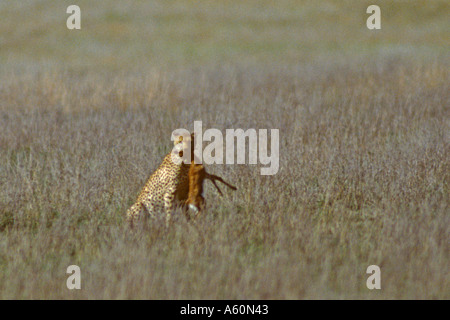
<point x="183" y="149"/>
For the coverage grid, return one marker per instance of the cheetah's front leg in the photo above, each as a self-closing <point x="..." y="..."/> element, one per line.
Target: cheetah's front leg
<point x="169" y="199"/>
<point x="133" y="214"/>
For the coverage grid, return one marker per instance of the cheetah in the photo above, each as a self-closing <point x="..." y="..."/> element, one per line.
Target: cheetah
<point x="170" y="184"/>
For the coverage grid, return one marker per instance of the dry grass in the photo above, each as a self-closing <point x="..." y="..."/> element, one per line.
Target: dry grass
<point x="364" y="165"/>
<point x="363" y="180"/>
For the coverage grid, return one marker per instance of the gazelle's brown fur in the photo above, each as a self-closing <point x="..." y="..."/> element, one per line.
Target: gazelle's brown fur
<point x="197" y="174"/>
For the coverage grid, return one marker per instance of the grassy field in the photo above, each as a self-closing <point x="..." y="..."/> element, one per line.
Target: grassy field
<point x="86" y="116"/>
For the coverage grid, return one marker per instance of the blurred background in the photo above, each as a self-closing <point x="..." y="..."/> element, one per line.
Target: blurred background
<point x="131" y="35"/>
